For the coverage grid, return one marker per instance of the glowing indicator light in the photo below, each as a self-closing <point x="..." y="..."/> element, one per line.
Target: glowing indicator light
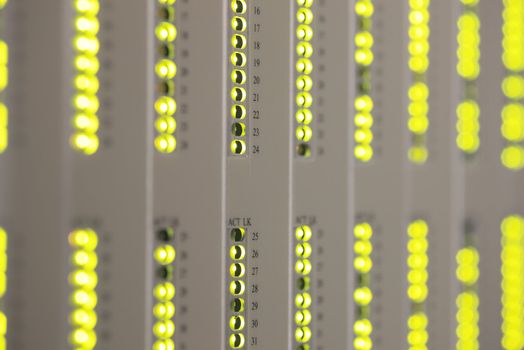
<point x="512" y="115"/>
<point x="468" y="69"/>
<point x="237" y="288"/>
<point x="304" y="82"/>
<point x="238" y="85"/>
<point x="418" y="93"/>
<point x="512" y="257"/>
<point x="165" y="73"/>
<point x="83" y="280"/>
<point x="164" y="291"/>
<point x="303" y="312"/>
<point x="417" y="292"/>
<point x="86" y="44"/>
<point x="362" y="295"/>
<point x="467" y="301"/>
<point x="363" y="104"/>
<point x="4" y="80"/>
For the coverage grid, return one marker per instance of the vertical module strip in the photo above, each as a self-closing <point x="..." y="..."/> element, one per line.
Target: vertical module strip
<point x="363" y="103"/>
<point x="85" y="138"/>
<point x="237" y="282"/>
<point x="418" y="93"/>
<point x="164" y="290"/>
<point x="512" y="257"/>
<point x="4" y="80"/>
<point x="468" y="69"/>
<point x="238" y="83"/>
<point x="467" y="301"/>
<point x="165" y="73"/>
<point x="83" y="281"/>
<point x="303" y="315"/>
<point x="363" y="295"/>
<point x="304" y="116"/>
<point x="417" y="278"/>
<point x="512" y="129"/>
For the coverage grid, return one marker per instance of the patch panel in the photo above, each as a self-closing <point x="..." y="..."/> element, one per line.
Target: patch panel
<point x="298" y="175"/>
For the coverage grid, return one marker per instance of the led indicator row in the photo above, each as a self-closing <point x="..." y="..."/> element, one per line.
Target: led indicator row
<point x="467" y="302"/>
<point x="164" y="291"/>
<point x="512" y="269"/>
<point x="303" y="78"/>
<point x="3" y="287"/>
<point x="364" y="102"/>
<point x="362" y="296"/>
<point x="468" y="68"/>
<point x="303" y="301"/>
<point x="417" y="247"/>
<point x="237" y="288"/>
<point x="83" y="280"/>
<point x="86" y="84"/>
<point x="165" y="73"/>
<point x="418" y="93"/>
<point x="239" y="76"/>
<point x="512" y="128"/>
<point x="4" y="79"/>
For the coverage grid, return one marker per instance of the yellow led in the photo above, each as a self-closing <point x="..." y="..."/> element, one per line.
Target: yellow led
<point x="86" y="103"/>
<point x="164" y="329"/>
<point x="237" y="288"/>
<point x="305" y="3"/>
<point x="164" y="344"/>
<point x="87" y="25"/>
<point x="237" y="270"/>
<point x="238" y="147"/>
<point x="303" y="317"/>
<point x="87" y="83"/>
<point x="304" y="49"/>
<point x="363" y="264"/>
<point x="303" y="250"/>
<point x="87" y="7"/>
<point x="86" y="299"/>
<point x="165" y="255"/>
<point x="83" y="279"/>
<point x="86" y="122"/>
<point x="304" y="32"/>
<point x="239" y="6"/>
<point x="304" y="116"/>
<point x="165" y="143"/>
<point x="165" y="106"/>
<point x="238" y="23"/>
<point x="512" y="157"/>
<point x="303" y="267"/>
<point x="304" y="133"/>
<point x="165" y="124"/>
<point x="83" y="338"/>
<point x="304" y="16"/>
<point x="166" y="32"/>
<point x="87" y="44"/>
<point x="164" y="311"/>
<point x="364" y="8"/>
<point x="237" y="323"/>
<point x="165" y="69"/>
<point x="84" y="318"/>
<point x="303" y="334"/>
<point x="238" y="59"/>
<point x="238" y="94"/>
<point x="303" y="233"/>
<point x="236" y="341"/>
<point x="164" y="291"/>
<point x="513" y="87"/>
<point x="83" y="238"/>
<point x="87" y="64"/>
<point x="304" y="66"/>
<point x="364" y="103"/>
<point x="237" y="252"/>
<point x="303" y="300"/>
<point x="363" y="327"/>
<point x="363" y="296"/>
<point x="363" y="152"/>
